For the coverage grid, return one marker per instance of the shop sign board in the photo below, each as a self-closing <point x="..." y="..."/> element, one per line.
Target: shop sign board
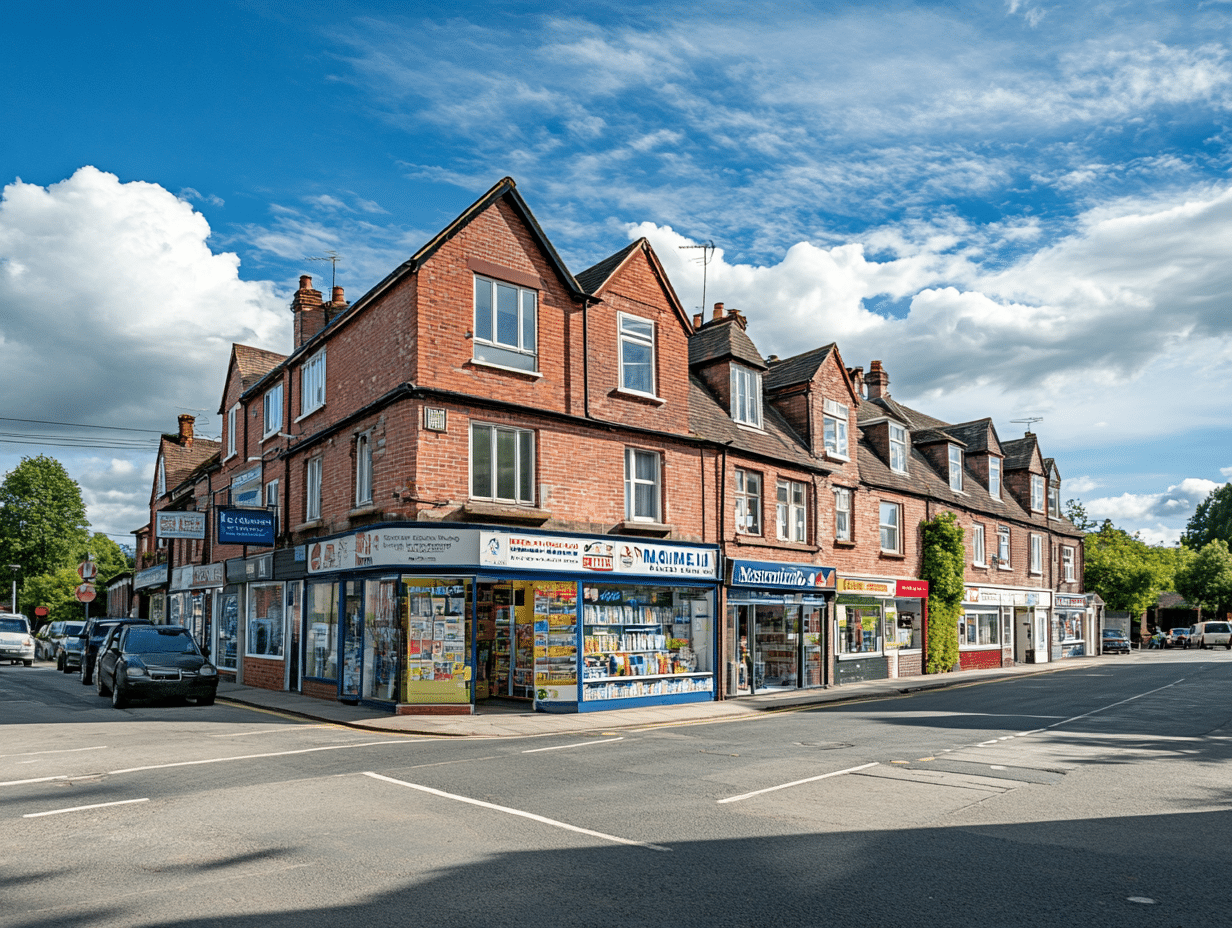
<point x="245" y="526"/>
<point x="246" y="488"/>
<point x="911" y="589"/>
<point x="396" y="547"/>
<point x="194" y="576"/>
<point x="151" y="576"/>
<point x="179" y="525"/>
<point x="1070" y="602"/>
<point x="595" y="555"/>
<point x="884" y="588"/>
<point x="775" y="575"/>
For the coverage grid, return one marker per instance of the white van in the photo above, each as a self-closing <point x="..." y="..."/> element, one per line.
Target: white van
<point x="1209" y="634"/>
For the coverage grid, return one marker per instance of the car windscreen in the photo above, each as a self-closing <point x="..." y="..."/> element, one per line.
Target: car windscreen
<point x="13" y="625"/>
<point x="74" y="628"/>
<point x="1108" y="633"/>
<point x="159" y="641"/>
<point x="1217" y="627"/>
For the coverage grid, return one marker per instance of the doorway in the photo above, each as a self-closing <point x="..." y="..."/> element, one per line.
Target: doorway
<point x="505" y="640"/>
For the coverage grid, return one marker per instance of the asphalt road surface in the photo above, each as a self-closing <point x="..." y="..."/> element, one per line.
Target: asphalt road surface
<point x="1097" y="796"/>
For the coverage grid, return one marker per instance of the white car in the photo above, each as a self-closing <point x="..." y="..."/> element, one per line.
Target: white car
<point x="16" y="641"/>
<point x="1209" y="634"/>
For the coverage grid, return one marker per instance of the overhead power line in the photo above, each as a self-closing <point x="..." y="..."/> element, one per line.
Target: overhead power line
<point x="135" y="440"/>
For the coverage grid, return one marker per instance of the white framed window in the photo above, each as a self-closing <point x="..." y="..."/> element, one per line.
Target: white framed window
<point x="1054" y="501"/>
<point x="363" y="469"/>
<point x="272" y="410"/>
<point x="312" y="383"/>
<point x="898" y="448"/>
<point x="1037" y="493"/>
<point x="642" y="486"/>
<point x="1037" y="554"/>
<point x="834" y="426"/>
<point x="746" y="395"/>
<point x="637" y="354"/>
<point x="506" y="324"/>
<point x="312" y="490"/>
<point x="502" y="464"/>
<point x="994" y="477"/>
<point x="748" y="502"/>
<point x="232" y="415"/>
<point x="162" y="476"/>
<point x="1067" y="563"/>
<point x="1003" y="547"/>
<point x="977" y="545"/>
<point x="891" y="520"/>
<point x="791" y="511"/>
<point x="842" y="514"/>
<point x="956" y="468"/>
<point x="273" y="503"/>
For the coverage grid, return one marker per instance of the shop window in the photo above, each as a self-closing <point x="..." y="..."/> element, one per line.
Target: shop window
<point x="435" y="611"/>
<point x="272" y="500"/>
<point x="312" y="383"/>
<point x="858" y="628"/>
<point x="898" y="449"/>
<point x="977" y="629"/>
<point x="791" y="511"/>
<point x="977" y="545"/>
<point x="265" y="620"/>
<point x="842" y="514"/>
<point x="748" y="502"/>
<point x="383" y="641"/>
<point x="272" y="411"/>
<point x="1037" y="493"/>
<point x="903" y="625"/>
<point x="363" y="469"/>
<point x="956" y="468"/>
<point x="312" y="490"/>
<point x="1003" y="548"/>
<point x="637" y="354"/>
<point x="1067" y="564"/>
<point x="506" y="324"/>
<point x="502" y="464"/>
<point x="642" y="486"/>
<point x="746" y="395"/>
<point x="891" y="520"/>
<point x="994" y="477"/>
<point x="1037" y="554"/>
<point x="835" y="420"/>
<point x="321" y="646"/>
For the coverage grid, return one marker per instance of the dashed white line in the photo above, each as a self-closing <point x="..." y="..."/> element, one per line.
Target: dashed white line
<point x="223" y="760"/>
<point x="97" y="805"/>
<point x="35" y="780"/>
<point x="771" y="789"/>
<point x="580" y="744"/>
<point x="518" y="812"/>
<point x="101" y="747"/>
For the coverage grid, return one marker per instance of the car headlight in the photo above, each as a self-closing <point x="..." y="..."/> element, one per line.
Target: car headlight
<point x="207" y="671"/>
<point x="134" y="670"/>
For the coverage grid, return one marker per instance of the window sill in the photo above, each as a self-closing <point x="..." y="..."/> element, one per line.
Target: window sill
<point x="271" y="435"/>
<point x="1006" y="567"/>
<point x="983" y="565"/>
<point x="507" y="513"/>
<point x="749" y="427"/>
<point x="835" y="456"/>
<point x="637" y="397"/>
<point x="656" y="529"/>
<point x="530" y="375"/>
<point x="308" y="526"/>
<point x="310" y="412"/>
<point x="894" y="555"/>
<point x="266" y="657"/>
<point x="230" y="456"/>
<point x="860" y="655"/>
<point x="782" y="545"/>
<point x="844" y="543"/>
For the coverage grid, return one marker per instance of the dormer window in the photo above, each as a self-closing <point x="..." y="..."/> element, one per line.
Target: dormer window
<point x="1037" y="493"/>
<point x="162" y="478"/>
<point x="956" y="468"/>
<point x="746" y="395"/>
<point x="898" y="448"/>
<point x="637" y="358"/>
<point x="1054" y="501"/>
<point x="994" y="477"/>
<point x="835" y="428"/>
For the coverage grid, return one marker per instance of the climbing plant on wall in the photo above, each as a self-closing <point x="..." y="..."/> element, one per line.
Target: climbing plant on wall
<point x="944" y="558"/>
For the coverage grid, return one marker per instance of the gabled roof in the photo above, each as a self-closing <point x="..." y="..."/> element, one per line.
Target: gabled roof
<point x="180" y="461"/>
<point x="885" y="406"/>
<point x="596" y="278"/>
<point x="978" y="436"/>
<point x="799" y="369"/>
<point x="722" y="339"/>
<point x="709" y="420"/>
<point x="1051" y="469"/>
<point x="1022" y="452"/>
<point x="932" y="436"/>
<point x="250" y="365"/>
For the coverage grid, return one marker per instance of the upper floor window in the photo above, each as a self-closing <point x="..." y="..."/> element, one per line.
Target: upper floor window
<point x="363" y="469"/>
<point x="956" y="468"/>
<point x="842" y="514"/>
<point x="748" y="502"/>
<point x="1037" y="554"/>
<point x="642" y="486"/>
<point x="898" y="448"/>
<point x="977" y="545"/>
<point x="272" y="500"/>
<point x="994" y="477"/>
<point x="232" y="415"/>
<point x="312" y="383"/>
<point x="162" y="477"/>
<point x="1067" y="564"/>
<point x="506" y="324"/>
<point x="835" y="428"/>
<point x="312" y="490"/>
<point x="637" y="354"/>
<point x="746" y="395"/>
<point x="1037" y="493"/>
<point x="272" y="407"/>
<point x="891" y="518"/>
<point x="1003" y="547"/>
<point x="502" y="464"/>
<point x="791" y="511"/>
<point x="1054" y="501"/>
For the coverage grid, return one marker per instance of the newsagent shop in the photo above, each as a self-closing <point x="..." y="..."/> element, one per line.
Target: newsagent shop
<point x="879" y="628"/>
<point x="775" y="616"/>
<point x="1000" y="625"/>
<point x="445" y="619"/>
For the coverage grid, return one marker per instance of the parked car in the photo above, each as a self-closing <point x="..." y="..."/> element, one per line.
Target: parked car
<point x="154" y="662"/>
<point x="1178" y="637"/>
<point x="1114" y="641"/>
<point x="1208" y="634"/>
<point x="16" y="641"/>
<point x="92" y="638"/>
<point x="44" y="640"/>
<point x="68" y="654"/>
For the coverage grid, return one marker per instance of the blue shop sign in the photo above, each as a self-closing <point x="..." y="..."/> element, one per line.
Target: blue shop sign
<point x="773" y="575"/>
<point x="245" y="527"/>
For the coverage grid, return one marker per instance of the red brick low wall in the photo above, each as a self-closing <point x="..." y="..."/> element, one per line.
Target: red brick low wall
<point x="265" y="674"/>
<point x="910" y="665"/>
<point x="979" y="660"/>
<point x="319" y="690"/>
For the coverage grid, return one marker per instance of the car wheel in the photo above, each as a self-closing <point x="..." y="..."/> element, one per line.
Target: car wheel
<point x="86" y="679"/>
<point x="60" y="663"/>
<point x="205" y="700"/>
<point x="118" y="699"/>
<point x="98" y="684"/>
<point x="28" y="663"/>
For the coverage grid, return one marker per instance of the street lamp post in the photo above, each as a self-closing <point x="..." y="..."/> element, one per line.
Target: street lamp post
<point x="14" y="568"/>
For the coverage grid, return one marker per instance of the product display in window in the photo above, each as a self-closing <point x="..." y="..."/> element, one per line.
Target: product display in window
<point x="555" y="634"/>
<point x="857" y="628"/>
<point x="435" y="632"/>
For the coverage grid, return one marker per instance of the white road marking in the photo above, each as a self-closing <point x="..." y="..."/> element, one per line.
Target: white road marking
<point x="97" y="805"/>
<point x="580" y="744"/>
<point x="101" y="747"/>
<point x="223" y="760"/>
<point x="268" y="731"/>
<point x="517" y="812"/>
<point x="771" y="789"/>
<point x="36" y="780"/>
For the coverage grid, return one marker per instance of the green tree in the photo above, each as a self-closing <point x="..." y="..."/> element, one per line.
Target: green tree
<point x="42" y="518"/>
<point x="943" y="564"/>
<point x="57" y="591"/>
<point x="1126" y="572"/>
<point x="108" y="555"/>
<point x="1077" y="513"/>
<point x="1206" y="579"/>
<point x="1211" y="520"/>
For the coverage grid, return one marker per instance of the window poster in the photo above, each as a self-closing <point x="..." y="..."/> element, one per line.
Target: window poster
<point x="437" y="650"/>
<point x="555" y="634"/>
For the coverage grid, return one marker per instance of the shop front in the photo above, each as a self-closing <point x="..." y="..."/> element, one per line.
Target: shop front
<point x="879" y="628"/>
<point x="150" y="590"/>
<point x="434" y="620"/>
<point x="775" y="620"/>
<point x="1070" y="626"/>
<point x="257" y="631"/>
<point x="1002" y="626"/>
<point x="192" y="600"/>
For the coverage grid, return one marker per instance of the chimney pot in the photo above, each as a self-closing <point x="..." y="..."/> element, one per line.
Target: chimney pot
<point x="698" y="319"/>
<point x="305" y="282"/>
<point x="186" y="430"/>
<point x="718" y="311"/>
<point x="339" y="297"/>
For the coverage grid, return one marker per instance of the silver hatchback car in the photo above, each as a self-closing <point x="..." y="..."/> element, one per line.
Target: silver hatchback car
<point x="16" y="640"/>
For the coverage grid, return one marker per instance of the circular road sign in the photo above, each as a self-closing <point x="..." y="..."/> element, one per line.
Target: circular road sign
<point x="85" y="593"/>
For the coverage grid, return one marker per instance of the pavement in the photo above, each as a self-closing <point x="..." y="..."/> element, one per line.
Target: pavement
<point x="514" y="721"/>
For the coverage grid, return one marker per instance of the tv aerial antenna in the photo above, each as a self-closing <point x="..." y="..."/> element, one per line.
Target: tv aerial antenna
<point x="707" y="250"/>
<point x="1028" y="422"/>
<point x="332" y="257"/>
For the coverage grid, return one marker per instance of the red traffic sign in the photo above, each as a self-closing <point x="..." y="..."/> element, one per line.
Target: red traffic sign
<point x="85" y="593"/>
<point x="87" y="570"/>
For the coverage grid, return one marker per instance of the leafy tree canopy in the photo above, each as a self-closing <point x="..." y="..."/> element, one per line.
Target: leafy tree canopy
<point x="1127" y="572"/>
<point x="1077" y="513"/>
<point x="1212" y="520"/>
<point x="57" y="591"/>
<point x="109" y="556"/>
<point x="1206" y="579"/>
<point x="42" y="518"/>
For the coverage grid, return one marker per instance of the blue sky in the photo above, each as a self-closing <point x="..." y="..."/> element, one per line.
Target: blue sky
<point x="1022" y="209"/>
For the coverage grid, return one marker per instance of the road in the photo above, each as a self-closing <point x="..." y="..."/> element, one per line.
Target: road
<point x="1097" y="796"/>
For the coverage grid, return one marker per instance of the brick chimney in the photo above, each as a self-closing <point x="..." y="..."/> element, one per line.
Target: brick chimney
<point x="718" y="311"/>
<point x="186" y="430"/>
<point x="857" y="380"/>
<point x="309" y="311"/>
<point x="336" y="305"/>
<point x="698" y="320"/>
<point x="877" y="380"/>
<point x="739" y="317"/>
